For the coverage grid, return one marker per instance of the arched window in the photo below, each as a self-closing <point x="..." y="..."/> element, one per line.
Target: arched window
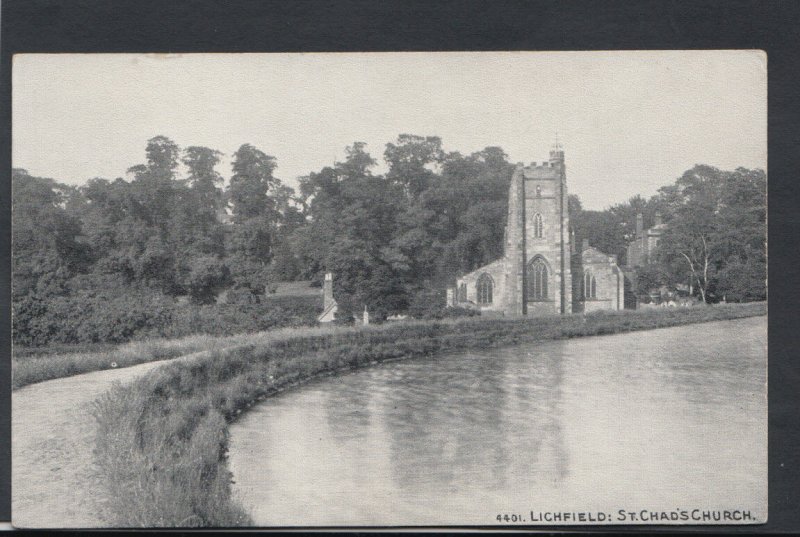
<point x="538" y="227"/>
<point x="485" y="286"/>
<point x="462" y="292"/>
<point x="537" y="280"/>
<point x="589" y="286"/>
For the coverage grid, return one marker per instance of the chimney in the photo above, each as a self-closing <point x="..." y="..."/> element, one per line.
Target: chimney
<point x="327" y="291"/>
<point x="585" y="245"/>
<point x="639" y="225"/>
<point x="658" y="218"/>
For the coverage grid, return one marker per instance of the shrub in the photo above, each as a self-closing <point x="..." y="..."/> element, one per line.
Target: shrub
<point x="742" y="281"/>
<point x="103" y="317"/>
<point x="229" y="319"/>
<point x="207" y="276"/>
<point x="89" y="317"/>
<point x="431" y="304"/>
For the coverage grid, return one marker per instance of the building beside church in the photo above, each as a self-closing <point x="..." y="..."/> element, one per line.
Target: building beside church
<point x="542" y="272"/>
<point x="641" y="249"/>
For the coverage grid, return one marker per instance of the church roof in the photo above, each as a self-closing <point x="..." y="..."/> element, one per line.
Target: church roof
<point x="491" y="266"/>
<point x="593" y="255"/>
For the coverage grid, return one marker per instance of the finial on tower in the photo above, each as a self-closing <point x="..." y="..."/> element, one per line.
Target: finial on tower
<point x="557" y="152"/>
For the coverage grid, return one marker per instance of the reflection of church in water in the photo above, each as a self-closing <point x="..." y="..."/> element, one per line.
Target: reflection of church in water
<point x="542" y="272"/>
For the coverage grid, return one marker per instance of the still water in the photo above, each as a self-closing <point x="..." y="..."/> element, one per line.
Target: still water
<point x="662" y="420"/>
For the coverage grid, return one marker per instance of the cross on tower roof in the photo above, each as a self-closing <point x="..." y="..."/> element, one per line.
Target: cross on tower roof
<point x="557" y="145"/>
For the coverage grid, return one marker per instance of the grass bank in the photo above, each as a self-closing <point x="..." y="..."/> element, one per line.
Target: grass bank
<point x="30" y="368"/>
<point x="162" y="441"/>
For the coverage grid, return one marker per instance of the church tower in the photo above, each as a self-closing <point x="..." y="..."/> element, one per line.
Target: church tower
<point x="535" y="275"/>
<point x="537" y="260"/>
<point x="515" y="303"/>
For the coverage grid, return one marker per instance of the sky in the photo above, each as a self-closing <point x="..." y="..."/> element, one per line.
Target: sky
<point x="629" y="122"/>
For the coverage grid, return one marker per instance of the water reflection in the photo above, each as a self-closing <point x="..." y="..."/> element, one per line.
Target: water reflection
<point x="673" y="415"/>
<point x="451" y="421"/>
<point x="350" y="409"/>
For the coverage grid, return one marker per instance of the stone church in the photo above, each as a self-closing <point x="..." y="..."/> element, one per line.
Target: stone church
<point x="542" y="271"/>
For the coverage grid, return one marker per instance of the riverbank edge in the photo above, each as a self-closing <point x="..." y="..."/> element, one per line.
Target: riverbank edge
<point x="162" y="441"/>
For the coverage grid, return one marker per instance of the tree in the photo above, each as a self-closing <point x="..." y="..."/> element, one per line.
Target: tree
<point x="255" y="217"/>
<point x="251" y="183"/>
<point x="249" y="253"/>
<point x="575" y="206"/>
<point x="603" y="229"/>
<point x="48" y="244"/>
<point x="370" y="268"/>
<point x="689" y="247"/>
<point x="154" y="183"/>
<point x="718" y="233"/>
<point x="195" y="227"/>
<point x="743" y="280"/>
<point x="353" y="230"/>
<point x="468" y="204"/>
<point x="409" y="160"/>
<point x="203" y="177"/>
<point x="358" y="162"/>
<point x="651" y="276"/>
<point x="208" y="275"/>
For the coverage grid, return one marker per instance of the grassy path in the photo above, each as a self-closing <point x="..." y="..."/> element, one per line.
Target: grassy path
<point x="54" y="483"/>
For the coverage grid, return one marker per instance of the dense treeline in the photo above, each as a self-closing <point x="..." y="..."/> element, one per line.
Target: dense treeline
<point x="174" y="248"/>
<point x="715" y="238"/>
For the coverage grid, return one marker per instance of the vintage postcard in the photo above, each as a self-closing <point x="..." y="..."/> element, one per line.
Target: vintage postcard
<point x="389" y="289"/>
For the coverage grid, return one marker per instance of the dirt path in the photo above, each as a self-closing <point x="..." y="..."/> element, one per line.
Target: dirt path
<point x="53" y="479"/>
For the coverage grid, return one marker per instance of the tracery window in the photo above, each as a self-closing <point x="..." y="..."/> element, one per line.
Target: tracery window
<point x="537" y="280"/>
<point x="538" y="226"/>
<point x="589" y="286"/>
<point x="485" y="287"/>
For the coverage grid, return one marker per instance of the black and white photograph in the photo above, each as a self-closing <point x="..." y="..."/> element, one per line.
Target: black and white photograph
<point x="380" y="289"/>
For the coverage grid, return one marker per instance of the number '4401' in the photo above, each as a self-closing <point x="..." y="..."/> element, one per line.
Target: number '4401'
<point x="509" y="518"/>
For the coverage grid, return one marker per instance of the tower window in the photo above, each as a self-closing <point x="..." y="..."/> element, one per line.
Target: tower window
<point x="462" y="292"/>
<point x="589" y="286"/>
<point x="485" y="287"/>
<point x="537" y="280"/>
<point x="538" y="226"/>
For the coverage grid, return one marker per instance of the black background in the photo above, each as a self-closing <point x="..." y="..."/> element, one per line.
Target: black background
<point x="413" y="25"/>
